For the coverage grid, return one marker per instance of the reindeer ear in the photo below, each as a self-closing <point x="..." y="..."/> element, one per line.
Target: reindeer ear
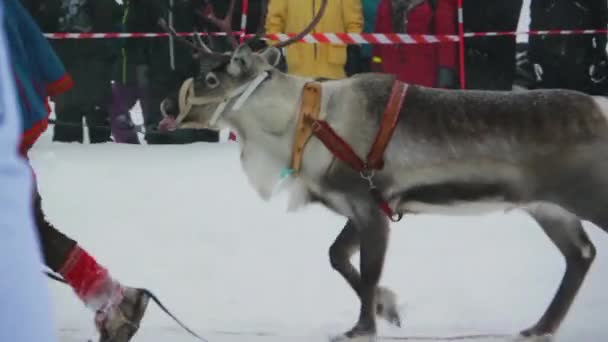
<point x="241" y="61"/>
<point x="272" y="55"/>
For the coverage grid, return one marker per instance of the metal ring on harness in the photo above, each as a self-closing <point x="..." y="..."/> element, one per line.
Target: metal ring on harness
<point x="396" y="217"/>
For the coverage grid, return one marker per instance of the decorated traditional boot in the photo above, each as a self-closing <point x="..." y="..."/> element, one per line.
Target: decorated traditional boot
<point x="119" y="322"/>
<point x="118" y="309"/>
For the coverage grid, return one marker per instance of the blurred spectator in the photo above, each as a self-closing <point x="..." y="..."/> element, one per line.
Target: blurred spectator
<point x="89" y="61"/>
<point x="576" y="62"/>
<point x="131" y="82"/>
<point x="359" y="57"/>
<point x="45" y="13"/>
<point x="431" y="65"/>
<point x="315" y="60"/>
<point x="490" y="61"/>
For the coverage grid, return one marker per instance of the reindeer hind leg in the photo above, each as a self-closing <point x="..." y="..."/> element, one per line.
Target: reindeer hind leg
<point x="566" y="231"/>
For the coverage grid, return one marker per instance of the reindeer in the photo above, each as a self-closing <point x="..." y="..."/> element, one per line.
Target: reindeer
<point x="373" y="149"/>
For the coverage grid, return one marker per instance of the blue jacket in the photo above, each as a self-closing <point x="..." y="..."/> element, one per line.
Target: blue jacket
<point x="37" y="70"/>
<point x="370" y="8"/>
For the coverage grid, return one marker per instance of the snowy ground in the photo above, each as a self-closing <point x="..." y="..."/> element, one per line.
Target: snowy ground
<point x="182" y="221"/>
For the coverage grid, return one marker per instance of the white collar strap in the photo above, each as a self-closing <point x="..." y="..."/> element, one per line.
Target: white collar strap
<point x="187" y="98"/>
<point x="245" y="91"/>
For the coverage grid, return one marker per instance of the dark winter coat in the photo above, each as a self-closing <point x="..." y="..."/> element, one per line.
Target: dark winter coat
<point x="490" y="61"/>
<point x="137" y="16"/>
<point x="185" y="19"/>
<point x="571" y="56"/>
<point x="45" y="13"/>
<point x="89" y="61"/>
<point x="418" y="64"/>
<point x="100" y="16"/>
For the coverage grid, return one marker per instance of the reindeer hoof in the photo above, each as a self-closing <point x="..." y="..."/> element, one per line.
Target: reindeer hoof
<point x="355" y="336"/>
<point x="362" y="332"/>
<point x="536" y="334"/>
<point x="387" y="306"/>
<point x="534" y="338"/>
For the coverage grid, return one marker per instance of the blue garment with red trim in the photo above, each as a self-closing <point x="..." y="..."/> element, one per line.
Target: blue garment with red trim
<point x="37" y="70"/>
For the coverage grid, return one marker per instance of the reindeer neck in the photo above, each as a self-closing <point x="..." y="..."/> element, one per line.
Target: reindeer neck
<point x="266" y="129"/>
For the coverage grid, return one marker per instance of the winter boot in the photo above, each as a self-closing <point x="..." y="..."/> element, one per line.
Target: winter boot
<point x="118" y="309"/>
<point x="123" y="129"/>
<point x="119" y="322"/>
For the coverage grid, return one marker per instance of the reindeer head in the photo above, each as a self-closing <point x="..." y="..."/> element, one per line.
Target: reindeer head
<point x="224" y="79"/>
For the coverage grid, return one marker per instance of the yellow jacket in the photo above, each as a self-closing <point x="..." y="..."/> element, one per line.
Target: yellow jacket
<point x="315" y="60"/>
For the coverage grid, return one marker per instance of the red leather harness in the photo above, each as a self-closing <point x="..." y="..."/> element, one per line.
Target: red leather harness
<point x="342" y="150"/>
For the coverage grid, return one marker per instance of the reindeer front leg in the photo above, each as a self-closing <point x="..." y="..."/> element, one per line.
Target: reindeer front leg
<point x="368" y="229"/>
<point x="344" y="247"/>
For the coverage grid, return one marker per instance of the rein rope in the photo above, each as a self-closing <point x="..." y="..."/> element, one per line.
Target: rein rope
<point x="185" y="92"/>
<point x="154" y="299"/>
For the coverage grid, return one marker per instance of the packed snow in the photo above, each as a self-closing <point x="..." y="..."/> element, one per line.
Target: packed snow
<point x="184" y="222"/>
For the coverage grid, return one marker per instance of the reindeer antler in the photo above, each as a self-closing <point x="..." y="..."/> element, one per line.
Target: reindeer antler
<point x="307" y="29"/>
<point x="223" y="24"/>
<point x="226" y="26"/>
<point x="202" y="48"/>
<point x="315" y="21"/>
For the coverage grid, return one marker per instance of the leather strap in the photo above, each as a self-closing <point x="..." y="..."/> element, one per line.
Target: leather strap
<point x="333" y="142"/>
<point x="309" y="111"/>
<point x="375" y="158"/>
<point x="309" y="123"/>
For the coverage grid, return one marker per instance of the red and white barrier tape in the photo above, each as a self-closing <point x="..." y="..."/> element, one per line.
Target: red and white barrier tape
<point x="245" y="9"/>
<point x="335" y="38"/>
<point x="461" y="45"/>
<point x="339" y="38"/>
<point x="535" y="33"/>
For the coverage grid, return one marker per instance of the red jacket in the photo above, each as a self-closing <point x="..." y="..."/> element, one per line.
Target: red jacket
<point x="418" y="64"/>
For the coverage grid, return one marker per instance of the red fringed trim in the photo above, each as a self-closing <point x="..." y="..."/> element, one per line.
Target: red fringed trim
<point x="83" y="273"/>
<point x="60" y="86"/>
<point x="47" y="105"/>
<point x="30" y="136"/>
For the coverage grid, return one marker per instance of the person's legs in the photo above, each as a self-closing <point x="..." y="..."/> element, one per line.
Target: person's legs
<point x="97" y="115"/>
<point x="123" y="99"/>
<point x="68" y="126"/>
<point x="118" y="309"/>
<point x="148" y="89"/>
<point x="98" y="123"/>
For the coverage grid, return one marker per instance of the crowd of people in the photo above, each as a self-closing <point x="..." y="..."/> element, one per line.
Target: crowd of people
<point x="101" y="80"/>
<point x="111" y="75"/>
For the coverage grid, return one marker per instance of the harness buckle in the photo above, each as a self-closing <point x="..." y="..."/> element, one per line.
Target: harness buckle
<point x="368" y="175"/>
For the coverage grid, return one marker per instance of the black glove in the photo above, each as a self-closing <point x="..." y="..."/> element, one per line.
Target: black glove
<point x="446" y="78"/>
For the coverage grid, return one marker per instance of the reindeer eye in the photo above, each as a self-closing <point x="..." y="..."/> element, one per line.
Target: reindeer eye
<point x="212" y="80"/>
